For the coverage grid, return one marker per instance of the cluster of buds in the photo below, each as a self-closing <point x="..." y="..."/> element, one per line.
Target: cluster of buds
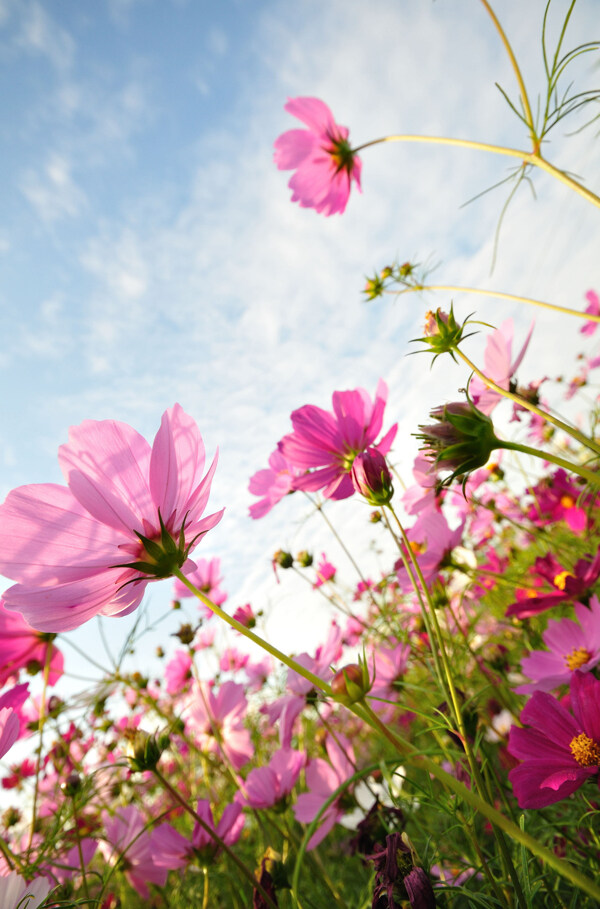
<point x="402" y="275"/>
<point x="461" y="440"/>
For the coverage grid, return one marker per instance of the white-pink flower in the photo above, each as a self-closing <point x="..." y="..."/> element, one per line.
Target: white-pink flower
<point x="130" y="514"/>
<point x="16" y="893"/>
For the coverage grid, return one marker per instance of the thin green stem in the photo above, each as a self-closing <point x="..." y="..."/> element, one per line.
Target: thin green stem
<point x="453" y="288"/>
<point x="535" y="160"/>
<point x="522" y="402"/>
<point x="282" y="657"/>
<point x="517" y="72"/>
<point x="589" y="475"/>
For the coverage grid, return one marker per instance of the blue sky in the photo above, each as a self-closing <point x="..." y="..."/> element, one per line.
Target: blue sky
<point x="149" y="251"/>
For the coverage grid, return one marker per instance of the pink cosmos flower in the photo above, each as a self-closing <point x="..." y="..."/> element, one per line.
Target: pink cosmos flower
<point x="245" y="616"/>
<point x="497" y="366"/>
<point x="222" y="713"/>
<point x="9" y="729"/>
<point x="568" y="586"/>
<point x="22" y="647"/>
<point x="593" y="308"/>
<point x="206" y="576"/>
<point x="325" y="571"/>
<point x="178" y="672"/>
<point x="570" y="645"/>
<point x="15" y="892"/>
<point x="272" y="483"/>
<point x="322" y="779"/>
<point x="327" y="443"/>
<point x="270" y="785"/>
<point x="321" y="155"/>
<point x="557" y="498"/>
<point x="127" y="837"/>
<point x="560" y="751"/>
<point x="129" y="515"/>
<point x="172" y="850"/>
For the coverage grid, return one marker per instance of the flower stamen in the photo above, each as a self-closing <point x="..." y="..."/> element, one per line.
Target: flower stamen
<point x="585" y="750"/>
<point x="579" y="656"/>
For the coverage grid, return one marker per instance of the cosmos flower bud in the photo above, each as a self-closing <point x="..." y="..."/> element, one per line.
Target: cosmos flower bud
<point x="304" y="559"/>
<point x="283" y="559"/>
<point x="442" y="333"/>
<point x="351" y="683"/>
<point x="371" y="477"/>
<point x="461" y="439"/>
<point x="71" y="785"/>
<point x="144" y="750"/>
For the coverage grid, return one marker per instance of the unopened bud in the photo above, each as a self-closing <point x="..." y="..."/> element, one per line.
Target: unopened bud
<point x="283" y="559"/>
<point x="71" y="785"/>
<point x="304" y="559"/>
<point x="144" y="750"/>
<point x="371" y="477"/>
<point x="351" y="683"/>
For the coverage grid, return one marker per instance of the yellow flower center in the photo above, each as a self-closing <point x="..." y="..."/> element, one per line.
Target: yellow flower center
<point x="418" y="548"/>
<point x="585" y="750"/>
<point x="560" y="580"/>
<point x="578" y="657"/>
<point x="567" y="501"/>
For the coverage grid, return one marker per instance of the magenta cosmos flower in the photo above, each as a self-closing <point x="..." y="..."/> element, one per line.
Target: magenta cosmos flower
<point x="321" y="155"/>
<point x="130" y="514"/>
<point x="327" y="443"/>
<point x="559" y="751"/>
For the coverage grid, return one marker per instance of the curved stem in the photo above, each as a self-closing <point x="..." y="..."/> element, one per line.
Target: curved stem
<point x="517" y="72"/>
<point x="532" y="158"/>
<point x="588" y="475"/>
<point x="282" y="657"/>
<point x="522" y="402"/>
<point x="498" y="294"/>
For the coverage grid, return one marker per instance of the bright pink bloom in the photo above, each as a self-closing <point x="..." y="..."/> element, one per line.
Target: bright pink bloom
<point x="270" y="785"/>
<point x="557" y="498"/>
<point x="593" y="308"/>
<point x="330" y="441"/>
<point x="178" y="672"/>
<point x="568" y="586"/>
<point x="570" y="645"/>
<point x="127" y="837"/>
<point x="322" y="779"/>
<point x="245" y="616"/>
<point x="14" y="699"/>
<point x="321" y="155"/>
<point x="497" y="366"/>
<point x="325" y="571"/>
<point x="92" y="547"/>
<point x="272" y="483"/>
<point x="233" y="660"/>
<point x="206" y="577"/>
<point x="209" y="714"/>
<point x="16" y="893"/>
<point x="22" y="647"/>
<point x="560" y="751"/>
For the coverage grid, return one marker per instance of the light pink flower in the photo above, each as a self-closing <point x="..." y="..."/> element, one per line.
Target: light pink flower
<point x="321" y="155"/>
<point x="127" y="837"/>
<point x="325" y="571"/>
<point x="326" y="443"/>
<point x="272" y="483"/>
<point x="593" y="308"/>
<point x="245" y="616"/>
<point x="206" y="577"/>
<point x="92" y="547"/>
<point x="209" y="714"/>
<point x="322" y="780"/>
<point x="267" y="786"/>
<point x="178" y="672"/>
<point x="497" y="366"/>
<point x="16" y="893"/>
<point x="174" y="851"/>
<point x="22" y="647"/>
<point x="9" y="729"/>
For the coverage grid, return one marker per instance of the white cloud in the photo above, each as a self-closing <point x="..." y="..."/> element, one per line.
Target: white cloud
<point x="53" y="192"/>
<point x="41" y="34"/>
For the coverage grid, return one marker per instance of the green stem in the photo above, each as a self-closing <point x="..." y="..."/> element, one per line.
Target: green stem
<point x="288" y="661"/>
<point x="522" y="402"/>
<point x="471" y="798"/>
<point x="589" y="475"/>
<point x="535" y="160"/>
<point x="517" y="72"/>
<point x="452" y="288"/>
